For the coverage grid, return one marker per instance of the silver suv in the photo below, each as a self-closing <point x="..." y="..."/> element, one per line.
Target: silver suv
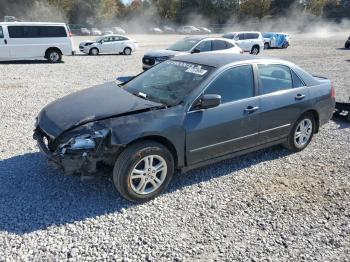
<point x="252" y="42"/>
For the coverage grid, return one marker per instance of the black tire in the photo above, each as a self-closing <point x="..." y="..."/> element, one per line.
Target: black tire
<point x="54" y="55"/>
<point x="129" y="159"/>
<point x="347" y="45"/>
<point x="291" y="143"/>
<point x="255" y="50"/>
<point x="127" y="51"/>
<point x="94" y="51"/>
<point x="266" y="45"/>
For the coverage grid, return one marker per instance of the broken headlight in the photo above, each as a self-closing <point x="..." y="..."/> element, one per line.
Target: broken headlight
<point x="84" y="142"/>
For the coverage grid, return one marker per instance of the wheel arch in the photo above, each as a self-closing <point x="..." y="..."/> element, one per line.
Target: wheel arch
<point x="52" y="48"/>
<point x="162" y="140"/>
<point x="316" y="117"/>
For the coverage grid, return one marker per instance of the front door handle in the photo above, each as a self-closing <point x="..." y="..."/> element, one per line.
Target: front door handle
<point x="251" y="109"/>
<point x="5" y="40"/>
<point x="300" y="97"/>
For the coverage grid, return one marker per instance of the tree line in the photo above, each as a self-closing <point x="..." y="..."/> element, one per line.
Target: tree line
<point x="157" y="12"/>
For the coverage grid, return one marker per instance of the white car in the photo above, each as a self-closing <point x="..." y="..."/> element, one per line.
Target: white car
<point x="189" y="29"/>
<point x="95" y="31"/>
<point x="34" y="40"/>
<point x="118" y="30"/>
<point x="118" y="44"/>
<point x="252" y="42"/>
<point x="194" y="44"/>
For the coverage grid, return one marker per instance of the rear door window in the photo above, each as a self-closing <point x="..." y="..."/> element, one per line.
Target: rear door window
<point x="1" y="32"/>
<point x="219" y="45"/>
<point x="297" y="82"/>
<point x="274" y="78"/>
<point x="233" y="84"/>
<point x="52" y="31"/>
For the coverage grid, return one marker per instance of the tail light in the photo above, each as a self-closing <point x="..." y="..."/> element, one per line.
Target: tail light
<point x="332" y="90"/>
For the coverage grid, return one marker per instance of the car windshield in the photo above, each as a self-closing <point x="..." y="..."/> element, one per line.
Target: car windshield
<point x="184" y="45"/>
<point x="169" y="82"/>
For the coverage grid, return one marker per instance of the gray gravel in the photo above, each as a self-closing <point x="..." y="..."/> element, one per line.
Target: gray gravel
<point x="266" y="206"/>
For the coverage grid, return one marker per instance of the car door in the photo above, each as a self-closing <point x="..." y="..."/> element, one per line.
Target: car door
<point x="231" y="126"/>
<point x="283" y="98"/>
<point x="4" y="49"/>
<point x="106" y="46"/>
<point x="241" y="42"/>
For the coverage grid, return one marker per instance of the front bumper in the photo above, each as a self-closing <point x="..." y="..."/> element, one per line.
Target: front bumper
<point x="72" y="163"/>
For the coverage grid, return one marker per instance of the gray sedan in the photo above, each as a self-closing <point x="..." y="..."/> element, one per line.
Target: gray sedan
<point x="186" y="112"/>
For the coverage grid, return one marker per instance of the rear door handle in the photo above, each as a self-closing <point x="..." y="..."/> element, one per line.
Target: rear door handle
<point x="251" y="109"/>
<point x="300" y="97"/>
<point x="5" y="40"/>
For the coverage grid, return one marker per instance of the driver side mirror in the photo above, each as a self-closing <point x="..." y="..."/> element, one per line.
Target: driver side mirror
<point x="207" y="101"/>
<point x="195" y="51"/>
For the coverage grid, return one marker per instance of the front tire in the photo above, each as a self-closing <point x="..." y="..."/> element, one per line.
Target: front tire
<point x="127" y="51"/>
<point x="266" y="46"/>
<point x="301" y="133"/>
<point x="93" y="51"/>
<point x="143" y="171"/>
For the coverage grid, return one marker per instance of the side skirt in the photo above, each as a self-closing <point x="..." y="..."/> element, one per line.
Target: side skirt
<point x="232" y="155"/>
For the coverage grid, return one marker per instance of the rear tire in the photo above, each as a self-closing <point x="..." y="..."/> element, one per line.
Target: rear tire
<point x="93" y="51"/>
<point x="347" y="45"/>
<point x="127" y="51"/>
<point x="54" y="56"/>
<point x="143" y="171"/>
<point x="255" y="50"/>
<point x="301" y="134"/>
<point x="266" y="46"/>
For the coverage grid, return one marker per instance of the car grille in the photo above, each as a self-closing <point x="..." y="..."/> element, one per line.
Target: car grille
<point x="148" y="60"/>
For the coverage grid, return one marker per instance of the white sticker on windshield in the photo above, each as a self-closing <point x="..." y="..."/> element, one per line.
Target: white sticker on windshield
<point x="198" y="70"/>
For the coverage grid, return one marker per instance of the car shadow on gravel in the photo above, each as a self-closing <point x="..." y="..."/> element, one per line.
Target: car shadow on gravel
<point x="35" y="196"/>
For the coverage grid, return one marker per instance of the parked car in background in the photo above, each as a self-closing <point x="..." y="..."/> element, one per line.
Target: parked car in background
<point x="194" y="44"/>
<point x="118" y="30"/>
<point x="118" y="44"/>
<point x="168" y="30"/>
<point x="35" y="40"/>
<point x="205" y="30"/>
<point x="276" y="40"/>
<point x="155" y="30"/>
<point x="107" y="31"/>
<point x="252" y="42"/>
<point x="186" y="112"/>
<point x="85" y="31"/>
<point x="347" y="43"/>
<point x="189" y="29"/>
<point x="96" y="32"/>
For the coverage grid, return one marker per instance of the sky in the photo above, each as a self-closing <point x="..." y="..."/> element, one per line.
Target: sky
<point x="127" y="1"/>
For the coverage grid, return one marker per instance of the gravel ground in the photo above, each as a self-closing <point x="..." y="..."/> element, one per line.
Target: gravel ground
<point x="266" y="206"/>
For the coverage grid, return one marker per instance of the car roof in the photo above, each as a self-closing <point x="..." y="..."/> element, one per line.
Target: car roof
<point x="221" y="59"/>
<point x="31" y="23"/>
<point x="240" y="32"/>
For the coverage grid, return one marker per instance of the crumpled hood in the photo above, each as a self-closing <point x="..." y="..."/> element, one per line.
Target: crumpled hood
<point x="92" y="104"/>
<point x="87" y="42"/>
<point x="164" y="52"/>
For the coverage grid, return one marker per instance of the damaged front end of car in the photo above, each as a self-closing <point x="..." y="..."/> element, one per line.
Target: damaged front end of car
<point x="82" y="151"/>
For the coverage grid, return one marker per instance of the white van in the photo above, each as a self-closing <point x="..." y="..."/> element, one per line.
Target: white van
<point x="28" y="40"/>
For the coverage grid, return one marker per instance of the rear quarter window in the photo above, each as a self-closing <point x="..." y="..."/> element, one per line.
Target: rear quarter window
<point x="274" y="78"/>
<point x="251" y="36"/>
